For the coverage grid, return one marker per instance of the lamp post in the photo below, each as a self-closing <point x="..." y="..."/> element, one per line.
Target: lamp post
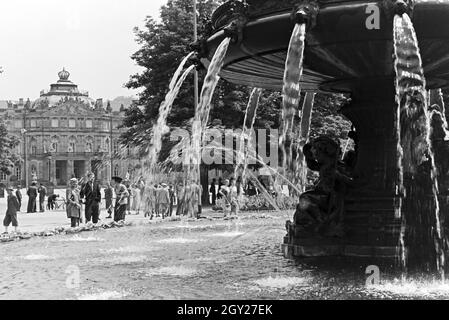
<point x="196" y="170"/>
<point x="195" y="39"/>
<point x="25" y="149"/>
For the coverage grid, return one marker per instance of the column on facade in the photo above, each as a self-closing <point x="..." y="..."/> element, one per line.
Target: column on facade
<point x="53" y="171"/>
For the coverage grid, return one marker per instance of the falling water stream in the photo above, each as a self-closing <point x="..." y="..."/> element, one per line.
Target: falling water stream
<point x="202" y="113"/>
<point x="300" y="168"/>
<point x="248" y="125"/>
<point x="291" y="91"/>
<point x="160" y="127"/>
<point x="421" y="230"/>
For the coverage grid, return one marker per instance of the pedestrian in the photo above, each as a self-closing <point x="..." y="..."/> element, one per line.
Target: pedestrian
<point x="136" y="199"/>
<point x="220" y="185"/>
<point x="128" y="188"/>
<point x="234" y="196"/>
<point x="90" y="191"/>
<point x="224" y="192"/>
<point x="157" y="189"/>
<point x="11" y="210"/>
<point x="19" y="196"/>
<point x="108" y="194"/>
<point x="32" y="195"/>
<point x="141" y="187"/>
<point x="73" y="204"/>
<point x="150" y="196"/>
<point x="188" y="199"/>
<point x="250" y="189"/>
<point x="121" y="199"/>
<point x="239" y="185"/>
<point x="196" y="200"/>
<point x="213" y="192"/>
<point x="181" y="199"/>
<point x="172" y="194"/>
<point x="164" y="200"/>
<point x="51" y="201"/>
<point x="42" y="190"/>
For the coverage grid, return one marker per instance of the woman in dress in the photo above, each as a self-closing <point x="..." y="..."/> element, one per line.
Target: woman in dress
<point x="73" y="203"/>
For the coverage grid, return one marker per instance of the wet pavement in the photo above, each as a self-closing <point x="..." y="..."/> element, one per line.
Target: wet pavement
<point x="206" y="259"/>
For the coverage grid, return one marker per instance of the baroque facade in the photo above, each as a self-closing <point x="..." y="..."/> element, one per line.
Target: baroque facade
<point x="64" y="134"/>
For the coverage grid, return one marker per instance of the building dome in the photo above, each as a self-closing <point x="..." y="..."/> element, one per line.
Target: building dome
<point x="64" y="75"/>
<point x="62" y="91"/>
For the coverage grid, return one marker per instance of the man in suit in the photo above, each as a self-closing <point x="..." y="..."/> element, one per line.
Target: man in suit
<point x="32" y="195"/>
<point x="90" y="191"/>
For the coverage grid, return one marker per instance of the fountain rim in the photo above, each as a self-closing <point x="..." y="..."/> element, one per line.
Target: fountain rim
<point x="315" y="79"/>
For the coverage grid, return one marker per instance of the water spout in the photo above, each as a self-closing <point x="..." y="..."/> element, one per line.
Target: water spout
<point x="291" y="91"/>
<point x="202" y="113"/>
<point x="300" y="168"/>
<point x="421" y="228"/>
<point x="248" y="125"/>
<point x="160" y="128"/>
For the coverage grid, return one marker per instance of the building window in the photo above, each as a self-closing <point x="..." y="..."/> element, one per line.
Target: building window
<point x="88" y="123"/>
<point x="71" y="146"/>
<point x="72" y="123"/>
<point x="17" y="124"/>
<point x="116" y="145"/>
<point x="3" y="176"/>
<point x="116" y="170"/>
<point x="54" y="144"/>
<point x="33" y="146"/>
<point x="107" y="145"/>
<point x="18" y="172"/>
<point x="54" y="123"/>
<point x="33" y="123"/>
<point x="89" y="147"/>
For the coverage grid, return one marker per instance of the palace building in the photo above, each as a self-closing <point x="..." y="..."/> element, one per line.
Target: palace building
<point x="64" y="134"/>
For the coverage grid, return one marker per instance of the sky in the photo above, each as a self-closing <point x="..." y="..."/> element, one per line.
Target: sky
<point x="92" y="39"/>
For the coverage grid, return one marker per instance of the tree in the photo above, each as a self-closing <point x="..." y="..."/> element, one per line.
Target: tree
<point x="8" y="157"/>
<point x="164" y="44"/>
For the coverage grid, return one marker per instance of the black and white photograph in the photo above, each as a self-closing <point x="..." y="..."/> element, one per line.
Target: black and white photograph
<point x="224" y="155"/>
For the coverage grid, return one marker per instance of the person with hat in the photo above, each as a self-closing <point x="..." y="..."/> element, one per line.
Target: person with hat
<point x="11" y="210"/>
<point x="91" y="192"/>
<point x="32" y="195"/>
<point x="42" y="190"/>
<point x="73" y="207"/>
<point x="121" y="200"/>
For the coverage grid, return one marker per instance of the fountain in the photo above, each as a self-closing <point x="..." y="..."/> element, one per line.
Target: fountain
<point x="390" y="204"/>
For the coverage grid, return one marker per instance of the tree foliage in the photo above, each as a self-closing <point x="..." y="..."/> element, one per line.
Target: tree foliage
<point x="163" y="44"/>
<point x="8" y="154"/>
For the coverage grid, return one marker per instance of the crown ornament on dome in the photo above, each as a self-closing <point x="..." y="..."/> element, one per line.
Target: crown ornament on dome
<point x="64" y="75"/>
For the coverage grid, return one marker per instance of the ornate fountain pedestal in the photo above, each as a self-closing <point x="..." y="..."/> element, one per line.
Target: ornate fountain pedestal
<point x="372" y="228"/>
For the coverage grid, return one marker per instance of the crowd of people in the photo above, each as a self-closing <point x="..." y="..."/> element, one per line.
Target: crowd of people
<point x="121" y="197"/>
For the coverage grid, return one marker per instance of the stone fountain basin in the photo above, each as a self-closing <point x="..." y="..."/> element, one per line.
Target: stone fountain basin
<point x="340" y="50"/>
